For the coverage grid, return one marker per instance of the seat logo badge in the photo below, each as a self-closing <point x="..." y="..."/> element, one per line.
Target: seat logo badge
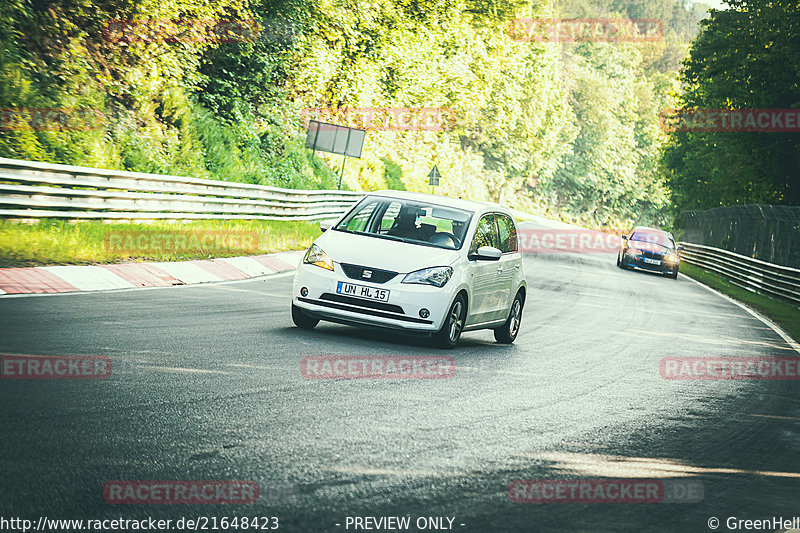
<point x="366" y="274"/>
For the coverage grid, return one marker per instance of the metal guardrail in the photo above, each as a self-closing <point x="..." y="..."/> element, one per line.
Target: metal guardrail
<point x="30" y="189"/>
<point x="767" y="232"/>
<point x="746" y="272"/>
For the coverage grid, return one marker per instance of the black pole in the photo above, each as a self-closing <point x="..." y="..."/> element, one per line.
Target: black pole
<point x="314" y="145"/>
<point x="344" y="158"/>
<point x="341" y="173"/>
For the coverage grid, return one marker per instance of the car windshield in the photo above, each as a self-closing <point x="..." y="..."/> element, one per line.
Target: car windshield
<point x="660" y="239"/>
<point x="411" y="221"/>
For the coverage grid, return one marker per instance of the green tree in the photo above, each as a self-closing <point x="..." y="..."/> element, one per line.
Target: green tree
<point x="746" y="57"/>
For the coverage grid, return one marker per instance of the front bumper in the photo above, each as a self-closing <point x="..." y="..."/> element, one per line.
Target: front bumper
<point x="638" y="262"/>
<point x="401" y="311"/>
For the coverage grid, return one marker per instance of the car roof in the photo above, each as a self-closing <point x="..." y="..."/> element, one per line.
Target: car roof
<point x="444" y="201"/>
<point x="646" y="229"/>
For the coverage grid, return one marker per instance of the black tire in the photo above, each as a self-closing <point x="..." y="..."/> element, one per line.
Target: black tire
<point x="674" y="274"/>
<point x="453" y="325"/>
<point x="619" y="263"/>
<point x="506" y="333"/>
<point x="302" y="320"/>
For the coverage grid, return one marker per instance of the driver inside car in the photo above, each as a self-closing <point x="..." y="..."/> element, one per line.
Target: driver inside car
<point x="405" y="225"/>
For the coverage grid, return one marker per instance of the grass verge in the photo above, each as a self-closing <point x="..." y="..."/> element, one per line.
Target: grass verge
<point x="58" y="242"/>
<point x="786" y="315"/>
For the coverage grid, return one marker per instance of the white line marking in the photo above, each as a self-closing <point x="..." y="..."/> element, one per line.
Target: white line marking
<point x="89" y="278"/>
<point x="259" y="293"/>
<point x="617" y="466"/>
<point x="179" y="369"/>
<point x="772" y="325"/>
<point x="173" y="287"/>
<point x="256" y="367"/>
<point x="293" y="257"/>
<point x="249" y="266"/>
<point x="397" y="472"/>
<point x="187" y="272"/>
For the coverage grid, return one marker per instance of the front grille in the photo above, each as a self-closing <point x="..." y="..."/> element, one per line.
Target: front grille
<point x="376" y="275"/>
<point x="363" y="311"/>
<point x="653" y="255"/>
<point x="383" y="306"/>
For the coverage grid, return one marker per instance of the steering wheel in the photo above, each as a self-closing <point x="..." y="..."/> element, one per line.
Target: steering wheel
<point x="456" y="242"/>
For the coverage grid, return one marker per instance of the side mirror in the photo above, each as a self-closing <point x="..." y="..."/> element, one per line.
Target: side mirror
<point x="325" y="225"/>
<point x="680" y="247"/>
<point x="486" y="253"/>
<point x="623" y="237"/>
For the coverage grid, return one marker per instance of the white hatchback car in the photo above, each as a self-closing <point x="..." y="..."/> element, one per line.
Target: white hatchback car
<point x="418" y="263"/>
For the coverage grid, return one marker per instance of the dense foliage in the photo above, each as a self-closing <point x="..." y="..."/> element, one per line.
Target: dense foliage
<point x="746" y="57"/>
<point x="565" y="128"/>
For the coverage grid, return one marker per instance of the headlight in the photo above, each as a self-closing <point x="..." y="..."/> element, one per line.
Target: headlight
<point x="671" y="258"/>
<point x="436" y="276"/>
<point x="315" y="256"/>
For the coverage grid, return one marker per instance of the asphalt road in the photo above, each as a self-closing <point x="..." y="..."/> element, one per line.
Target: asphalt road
<point x="206" y="385"/>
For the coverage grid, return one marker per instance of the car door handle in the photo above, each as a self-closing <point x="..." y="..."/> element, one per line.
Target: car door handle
<point x="499" y="269"/>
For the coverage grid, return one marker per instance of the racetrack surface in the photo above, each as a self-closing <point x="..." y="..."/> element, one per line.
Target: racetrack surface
<point x="206" y="385"/>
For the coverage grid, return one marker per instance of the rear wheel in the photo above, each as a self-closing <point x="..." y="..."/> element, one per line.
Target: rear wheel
<point x="508" y="332"/>
<point x="302" y="320"/>
<point x="448" y="336"/>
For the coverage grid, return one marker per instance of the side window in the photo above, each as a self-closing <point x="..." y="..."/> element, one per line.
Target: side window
<point x="358" y="220"/>
<point x="485" y="234"/>
<point x="507" y="232"/>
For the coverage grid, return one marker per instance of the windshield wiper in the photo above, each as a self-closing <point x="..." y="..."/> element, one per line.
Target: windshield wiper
<point x="369" y="234"/>
<point x="395" y="238"/>
<point x="391" y="237"/>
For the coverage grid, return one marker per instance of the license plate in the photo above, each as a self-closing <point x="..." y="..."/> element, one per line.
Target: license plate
<point x="362" y="291"/>
<point x="652" y="261"/>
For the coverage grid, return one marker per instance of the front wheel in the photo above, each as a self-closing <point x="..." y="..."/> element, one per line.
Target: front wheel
<point x="674" y="274"/>
<point x="302" y="320"/>
<point x="453" y="325"/>
<point x="506" y="333"/>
